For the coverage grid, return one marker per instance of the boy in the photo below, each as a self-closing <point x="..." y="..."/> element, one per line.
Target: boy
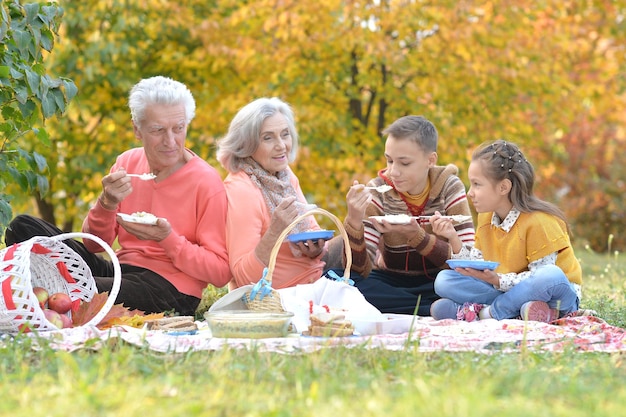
<point x="398" y="253"/>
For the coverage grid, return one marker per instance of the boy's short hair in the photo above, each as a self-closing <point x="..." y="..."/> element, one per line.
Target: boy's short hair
<point x="418" y="129"/>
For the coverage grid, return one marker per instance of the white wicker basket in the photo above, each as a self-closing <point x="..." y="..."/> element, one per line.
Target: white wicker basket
<point x="49" y="263"/>
<point x="271" y="302"/>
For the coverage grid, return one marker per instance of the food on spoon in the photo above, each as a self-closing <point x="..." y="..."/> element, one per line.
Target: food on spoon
<point x="146" y="177"/>
<point x="459" y="218"/>
<point x="383" y="188"/>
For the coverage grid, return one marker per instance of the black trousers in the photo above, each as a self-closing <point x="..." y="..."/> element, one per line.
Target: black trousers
<point x="397" y="293"/>
<point x="141" y="288"/>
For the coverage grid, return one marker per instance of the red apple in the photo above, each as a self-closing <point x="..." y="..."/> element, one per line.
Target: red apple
<point x="42" y="296"/>
<point x="53" y="317"/>
<point x="67" y="321"/>
<point x="60" y="302"/>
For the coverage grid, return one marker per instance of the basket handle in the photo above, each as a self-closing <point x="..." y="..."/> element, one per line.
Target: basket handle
<point x="117" y="272"/>
<point x="281" y="237"/>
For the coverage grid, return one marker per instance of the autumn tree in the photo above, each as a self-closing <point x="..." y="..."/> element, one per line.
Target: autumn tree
<point x="547" y="76"/>
<point x="28" y="96"/>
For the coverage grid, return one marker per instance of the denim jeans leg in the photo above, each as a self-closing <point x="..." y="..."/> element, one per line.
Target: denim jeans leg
<point x="547" y="283"/>
<point x="460" y="288"/>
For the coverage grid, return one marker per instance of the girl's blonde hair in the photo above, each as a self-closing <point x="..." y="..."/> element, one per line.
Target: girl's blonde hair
<point x="504" y="160"/>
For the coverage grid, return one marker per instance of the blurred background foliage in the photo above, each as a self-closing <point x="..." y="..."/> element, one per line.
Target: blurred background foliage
<point x="548" y="75"/>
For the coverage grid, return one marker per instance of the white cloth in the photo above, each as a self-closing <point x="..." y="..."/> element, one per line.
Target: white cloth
<point x="337" y="296"/>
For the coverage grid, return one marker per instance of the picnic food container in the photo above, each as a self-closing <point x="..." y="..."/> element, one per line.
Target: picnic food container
<point x="271" y="301"/>
<point x="389" y="323"/>
<point x="248" y="324"/>
<point x="47" y="262"/>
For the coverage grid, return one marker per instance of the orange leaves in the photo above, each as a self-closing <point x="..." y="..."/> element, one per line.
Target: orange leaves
<point x="118" y="315"/>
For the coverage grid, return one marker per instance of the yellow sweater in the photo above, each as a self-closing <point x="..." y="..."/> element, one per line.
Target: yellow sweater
<point x="533" y="236"/>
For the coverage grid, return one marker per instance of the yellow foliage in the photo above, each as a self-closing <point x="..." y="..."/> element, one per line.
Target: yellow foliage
<point x="519" y="70"/>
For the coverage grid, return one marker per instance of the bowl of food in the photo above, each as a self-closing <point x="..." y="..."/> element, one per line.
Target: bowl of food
<point x="247" y="324"/>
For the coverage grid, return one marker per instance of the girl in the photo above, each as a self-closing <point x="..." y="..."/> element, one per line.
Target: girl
<point x="538" y="277"/>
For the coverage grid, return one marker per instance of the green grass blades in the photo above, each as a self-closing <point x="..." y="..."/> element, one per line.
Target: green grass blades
<point x="124" y="380"/>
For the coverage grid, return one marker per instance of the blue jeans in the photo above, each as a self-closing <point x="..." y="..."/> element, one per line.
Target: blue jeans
<point x="547" y="283"/>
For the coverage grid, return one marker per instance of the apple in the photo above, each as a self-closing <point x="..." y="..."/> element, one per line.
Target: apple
<point x="67" y="321"/>
<point x="42" y="296"/>
<point x="60" y="302"/>
<point x="53" y="317"/>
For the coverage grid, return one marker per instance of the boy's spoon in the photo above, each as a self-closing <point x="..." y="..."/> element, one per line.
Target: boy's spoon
<point x="381" y="188"/>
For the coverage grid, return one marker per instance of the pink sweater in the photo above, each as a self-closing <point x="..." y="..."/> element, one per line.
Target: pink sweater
<point x="248" y="220"/>
<point x="193" y="201"/>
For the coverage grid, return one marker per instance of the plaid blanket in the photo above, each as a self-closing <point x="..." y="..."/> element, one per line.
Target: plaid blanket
<point x="584" y="334"/>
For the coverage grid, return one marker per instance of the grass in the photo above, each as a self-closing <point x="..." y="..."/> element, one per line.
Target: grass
<point x="124" y="380"/>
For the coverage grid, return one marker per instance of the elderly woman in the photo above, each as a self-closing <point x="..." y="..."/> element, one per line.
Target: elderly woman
<point x="264" y="197"/>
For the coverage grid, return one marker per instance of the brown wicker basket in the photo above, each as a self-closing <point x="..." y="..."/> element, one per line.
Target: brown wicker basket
<point x="47" y="262"/>
<point x="271" y="301"/>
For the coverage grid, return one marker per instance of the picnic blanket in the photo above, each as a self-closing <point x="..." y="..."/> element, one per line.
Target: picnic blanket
<point x="585" y="334"/>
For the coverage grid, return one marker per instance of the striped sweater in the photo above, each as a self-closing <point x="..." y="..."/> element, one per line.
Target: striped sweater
<point x="425" y="254"/>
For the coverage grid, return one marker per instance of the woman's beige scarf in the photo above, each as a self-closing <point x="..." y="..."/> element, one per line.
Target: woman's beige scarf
<point x="275" y="188"/>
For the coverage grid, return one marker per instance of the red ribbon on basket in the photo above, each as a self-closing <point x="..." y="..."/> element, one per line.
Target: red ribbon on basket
<point x="65" y="273"/>
<point x="7" y="290"/>
<point x="39" y="250"/>
<point x="9" y="255"/>
<point x="7" y="293"/>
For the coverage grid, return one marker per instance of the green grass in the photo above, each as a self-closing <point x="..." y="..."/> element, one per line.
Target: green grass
<point x="124" y="380"/>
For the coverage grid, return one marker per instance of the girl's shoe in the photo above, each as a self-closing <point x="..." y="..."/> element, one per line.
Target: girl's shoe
<point x="538" y="311"/>
<point x="469" y="311"/>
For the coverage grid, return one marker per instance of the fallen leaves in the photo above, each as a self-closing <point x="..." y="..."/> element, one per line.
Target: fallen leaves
<point x="117" y="315"/>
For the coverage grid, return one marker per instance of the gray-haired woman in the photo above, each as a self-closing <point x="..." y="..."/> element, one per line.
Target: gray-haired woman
<point x="264" y="197"/>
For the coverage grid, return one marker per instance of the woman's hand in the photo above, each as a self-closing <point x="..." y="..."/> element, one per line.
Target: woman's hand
<point x="285" y="213"/>
<point x="357" y="200"/>
<point x="116" y="186"/>
<point x="311" y="248"/>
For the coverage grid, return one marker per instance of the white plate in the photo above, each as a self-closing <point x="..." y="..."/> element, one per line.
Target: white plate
<point x="394" y="218"/>
<point x="458" y="218"/>
<point x="406" y="219"/>
<point x="138" y="219"/>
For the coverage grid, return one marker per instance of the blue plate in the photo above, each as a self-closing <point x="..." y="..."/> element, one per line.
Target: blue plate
<point x="475" y="264"/>
<point x="312" y="235"/>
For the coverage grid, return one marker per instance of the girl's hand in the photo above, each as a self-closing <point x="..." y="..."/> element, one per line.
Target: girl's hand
<point x="487" y="275"/>
<point x="442" y="226"/>
<point x="357" y="200"/>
